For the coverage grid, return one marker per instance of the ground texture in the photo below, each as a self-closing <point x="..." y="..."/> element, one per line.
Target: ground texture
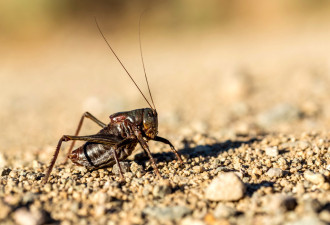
<point x="249" y="114"/>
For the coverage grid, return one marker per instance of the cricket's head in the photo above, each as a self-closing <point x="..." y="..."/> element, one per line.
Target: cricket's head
<point x="150" y="122"/>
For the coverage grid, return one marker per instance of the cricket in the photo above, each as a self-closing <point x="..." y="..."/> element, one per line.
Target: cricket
<point x="118" y="139"/>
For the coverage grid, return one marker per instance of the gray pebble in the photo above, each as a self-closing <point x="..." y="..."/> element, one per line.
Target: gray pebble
<point x="275" y="172"/>
<point x="279" y="203"/>
<point x="279" y="113"/>
<point x="223" y="211"/>
<point x="167" y="213"/>
<point x="162" y="189"/>
<point x="125" y="167"/>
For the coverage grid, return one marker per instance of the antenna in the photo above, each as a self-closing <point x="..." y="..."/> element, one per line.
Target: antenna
<point x="120" y="61"/>
<point x="144" y="69"/>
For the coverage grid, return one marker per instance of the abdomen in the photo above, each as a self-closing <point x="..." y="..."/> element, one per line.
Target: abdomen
<point x="93" y="155"/>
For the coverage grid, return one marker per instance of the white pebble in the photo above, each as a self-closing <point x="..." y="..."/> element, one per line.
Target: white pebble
<point x="226" y="187"/>
<point x="275" y="172"/>
<point x="272" y="151"/>
<point x="315" y="178"/>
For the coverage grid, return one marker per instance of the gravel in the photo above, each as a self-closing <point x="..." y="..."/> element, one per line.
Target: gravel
<point x="233" y="181"/>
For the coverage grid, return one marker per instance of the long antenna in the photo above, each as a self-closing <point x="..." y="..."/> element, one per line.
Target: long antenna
<point x="120" y="61"/>
<point x="144" y="69"/>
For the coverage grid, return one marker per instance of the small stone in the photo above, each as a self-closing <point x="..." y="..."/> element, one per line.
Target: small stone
<point x="315" y="178"/>
<point x="3" y="160"/>
<point x="311" y="205"/>
<point x="303" y="145"/>
<point x="280" y="113"/>
<point x="272" y="151"/>
<point x="325" y="216"/>
<point x="25" y="217"/>
<point x="223" y="211"/>
<point x="5" y="210"/>
<point x="167" y="213"/>
<point x="5" y="171"/>
<point x="136" y="167"/>
<point x="308" y="220"/>
<point x="226" y="187"/>
<point x="13" y="174"/>
<point x="36" y="164"/>
<point x="162" y="189"/>
<point x="198" y="169"/>
<point x="279" y="203"/>
<point x="275" y="172"/>
<point x="328" y="167"/>
<point x="99" y="210"/>
<point x="191" y="221"/>
<point x="125" y="167"/>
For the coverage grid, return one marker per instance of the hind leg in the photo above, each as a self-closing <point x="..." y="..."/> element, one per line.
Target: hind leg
<point x="101" y="139"/>
<point x="85" y="115"/>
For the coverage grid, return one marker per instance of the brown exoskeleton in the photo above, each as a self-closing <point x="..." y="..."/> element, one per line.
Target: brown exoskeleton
<point x="117" y="140"/>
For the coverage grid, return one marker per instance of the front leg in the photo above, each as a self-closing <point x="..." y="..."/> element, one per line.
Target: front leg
<point x="145" y="147"/>
<point x="165" y="141"/>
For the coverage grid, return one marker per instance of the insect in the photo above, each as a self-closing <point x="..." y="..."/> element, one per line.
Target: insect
<point x="117" y="140"/>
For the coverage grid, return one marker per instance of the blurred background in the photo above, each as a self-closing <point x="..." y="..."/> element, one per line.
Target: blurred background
<point x="215" y="67"/>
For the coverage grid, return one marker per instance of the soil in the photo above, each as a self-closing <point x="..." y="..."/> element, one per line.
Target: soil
<point x="249" y="114"/>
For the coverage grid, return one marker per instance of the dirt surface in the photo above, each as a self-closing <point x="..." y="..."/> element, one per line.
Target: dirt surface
<point x="249" y="113"/>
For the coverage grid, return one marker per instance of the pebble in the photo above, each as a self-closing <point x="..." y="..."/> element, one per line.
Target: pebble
<point x="3" y="160"/>
<point x="198" y="169"/>
<point x="271" y="151"/>
<point x="162" y="188"/>
<point x="225" y="187"/>
<point x="5" y="210"/>
<point x="125" y="167"/>
<point x="223" y="211"/>
<point x="24" y="217"/>
<point x="275" y="172"/>
<point x="135" y="168"/>
<point x="279" y="113"/>
<point x="279" y="203"/>
<point x="315" y="178"/>
<point x="167" y="213"/>
<point x="303" y="145"/>
<point x="5" y="171"/>
<point x="308" y="220"/>
<point x="191" y="221"/>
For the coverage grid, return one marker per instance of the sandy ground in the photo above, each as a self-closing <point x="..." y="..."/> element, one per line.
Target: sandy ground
<point x="241" y="102"/>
